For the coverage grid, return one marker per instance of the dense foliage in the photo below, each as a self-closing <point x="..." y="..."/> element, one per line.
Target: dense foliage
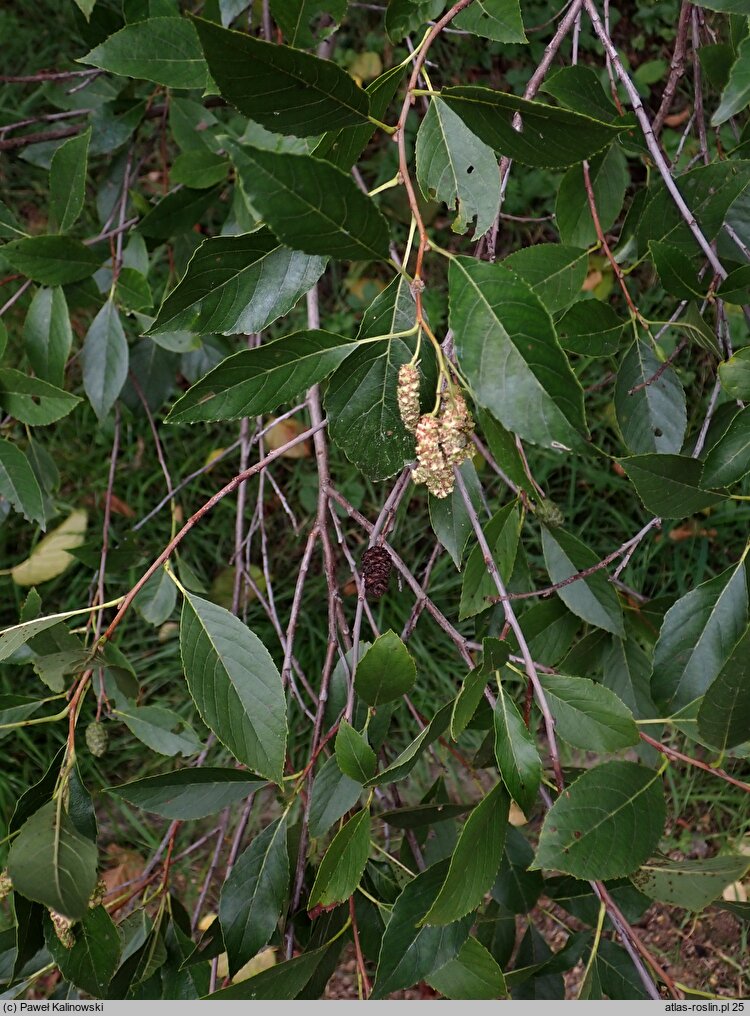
<point x="473" y="282"/>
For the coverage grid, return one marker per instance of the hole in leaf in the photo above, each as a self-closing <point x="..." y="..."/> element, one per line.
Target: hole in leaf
<point x="658" y="432"/>
<point x="470" y="169"/>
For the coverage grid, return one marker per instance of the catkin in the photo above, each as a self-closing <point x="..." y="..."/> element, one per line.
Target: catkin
<point x="407" y="395"/>
<point x="442" y="443"/>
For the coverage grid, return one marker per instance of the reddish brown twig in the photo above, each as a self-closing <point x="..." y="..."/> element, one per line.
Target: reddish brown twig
<point x="670" y="752"/>
<point x="677" y="66"/>
<point x="195" y="519"/>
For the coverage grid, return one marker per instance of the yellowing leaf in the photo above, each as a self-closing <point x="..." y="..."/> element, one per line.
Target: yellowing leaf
<point x="366" y="66"/>
<point x="735" y="893"/>
<point x="213" y="455"/>
<point x="266" y="958"/>
<point x="283" y="432"/>
<point x="50" y="557"/>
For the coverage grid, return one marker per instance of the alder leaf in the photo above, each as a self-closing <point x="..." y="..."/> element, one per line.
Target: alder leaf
<point x="285" y="90"/>
<point x="606" y="824"/>
<point x="235" y="685"/>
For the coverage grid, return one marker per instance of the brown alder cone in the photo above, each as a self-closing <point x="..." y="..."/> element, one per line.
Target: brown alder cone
<point x="376" y="571"/>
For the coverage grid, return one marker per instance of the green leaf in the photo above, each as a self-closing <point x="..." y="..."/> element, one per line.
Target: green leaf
<point x="506" y="345"/>
<point x="404" y="16"/>
<point x="235" y="685"/>
<point x="162" y="730"/>
<point x="606" y="824"/>
<point x="735" y="374"/>
<point x="94" y="957"/>
<point x="669" y="485"/>
<point x="555" y="272"/>
<point x="254" y="895"/>
<point x="474" y="974"/>
<point x="33" y="401"/>
<point x="454" y="166"/>
<point x="283" y="981"/>
<point x="237" y="284"/>
<point x="157" y="599"/>
<point x="690" y="884"/>
<point x="474" y="862"/>
<point x="133" y="291"/>
<point x="504" y="450"/>
<point x="471" y="694"/>
<point x="163" y="50"/>
<point x="12" y="638"/>
<point x="10" y="228"/>
<point x="617" y="976"/>
<point x="176" y="213"/>
<point x="502" y="533"/>
<point x="493" y="19"/>
<point x="386" y="671"/>
<point x="286" y="91"/>
<point x="403" y="764"/>
<point x="52" y="863"/>
<point x="588" y="715"/>
<point x="709" y="191"/>
<point x="67" y="180"/>
<point x="551" y="137"/>
<point x="311" y="205"/>
<point x="421" y="815"/>
<point x="188" y="793"/>
<point x="516" y="754"/>
<point x="549" y="628"/>
<point x="579" y="88"/>
<point x="726" y="6"/>
<point x="592" y="599"/>
<point x="411" y="951"/>
<point x="654" y="418"/>
<point x="698" y="331"/>
<point x="15" y="709"/>
<point x="333" y="794"/>
<point x="361" y="397"/>
<point x="736" y="287"/>
<point x="343" y="863"/>
<point x="343" y="147"/>
<point x="729" y="459"/>
<point x="627" y="672"/>
<point x="51" y="260"/>
<point x="199" y="169"/>
<point x="677" y="274"/>
<point x="448" y="515"/>
<point x="19" y="485"/>
<point x="105" y="360"/>
<point x="697" y="637"/>
<point x="608" y="173"/>
<point x="47" y="334"/>
<point x="736" y="95"/>
<point x="591" y="328"/>
<point x="354" y="755"/>
<point x="258" y="380"/>
<point x="296" y="17"/>
<point x="724" y="714"/>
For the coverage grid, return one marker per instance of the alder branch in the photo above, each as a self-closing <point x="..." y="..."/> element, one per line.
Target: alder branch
<point x="626" y="547"/>
<point x="677" y="66"/>
<point x="510" y="617"/>
<point x="195" y="519"/>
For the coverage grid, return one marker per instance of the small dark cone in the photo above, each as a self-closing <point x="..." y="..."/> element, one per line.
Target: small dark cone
<point x="376" y="571"/>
